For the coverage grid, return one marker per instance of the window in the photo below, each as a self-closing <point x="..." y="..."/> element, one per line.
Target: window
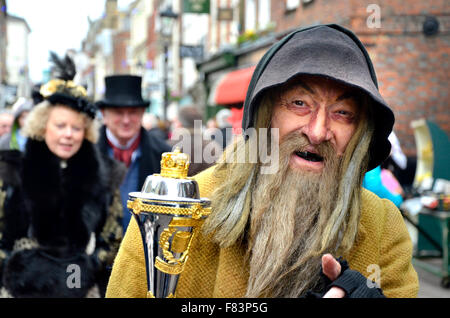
<point x="263" y="14"/>
<point x="250" y="15"/>
<point x="257" y="14"/>
<point x="292" y="4"/>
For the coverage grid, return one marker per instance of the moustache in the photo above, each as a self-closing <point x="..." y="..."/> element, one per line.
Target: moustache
<point x="297" y="143"/>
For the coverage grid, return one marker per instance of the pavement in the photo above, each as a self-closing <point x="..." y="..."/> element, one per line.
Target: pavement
<point x="430" y="283"/>
<point x="429" y="280"/>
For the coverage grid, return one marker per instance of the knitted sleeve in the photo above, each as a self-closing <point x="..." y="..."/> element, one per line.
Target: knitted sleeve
<point x="128" y="277"/>
<point x="398" y="276"/>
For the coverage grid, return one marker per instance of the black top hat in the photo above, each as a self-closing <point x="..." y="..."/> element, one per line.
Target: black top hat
<point x="123" y="91"/>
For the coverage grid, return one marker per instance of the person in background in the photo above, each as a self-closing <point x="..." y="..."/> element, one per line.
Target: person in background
<point x="401" y="167"/>
<point x="122" y="136"/>
<point x="397" y="154"/>
<point x="149" y="121"/>
<point x="222" y="119"/>
<point x="15" y="138"/>
<point x="383" y="184"/>
<point x="211" y="123"/>
<point x="58" y="198"/>
<point x="188" y="135"/>
<point x="154" y="126"/>
<point x="382" y="181"/>
<point x="6" y="120"/>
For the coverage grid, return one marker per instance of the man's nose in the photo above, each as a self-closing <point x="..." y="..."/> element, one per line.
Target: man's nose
<point x="126" y="118"/>
<point x="317" y="129"/>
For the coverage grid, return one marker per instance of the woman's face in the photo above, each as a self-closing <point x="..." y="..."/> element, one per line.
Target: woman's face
<point x="64" y="132"/>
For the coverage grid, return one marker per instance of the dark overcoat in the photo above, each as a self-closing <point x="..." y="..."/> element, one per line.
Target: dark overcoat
<point x="151" y="147"/>
<point x="52" y="219"/>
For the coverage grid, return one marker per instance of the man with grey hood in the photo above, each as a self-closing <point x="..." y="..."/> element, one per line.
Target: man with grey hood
<point x="308" y="229"/>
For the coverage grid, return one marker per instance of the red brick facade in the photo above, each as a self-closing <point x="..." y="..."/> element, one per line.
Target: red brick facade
<point x="152" y="38"/>
<point x="120" y="43"/>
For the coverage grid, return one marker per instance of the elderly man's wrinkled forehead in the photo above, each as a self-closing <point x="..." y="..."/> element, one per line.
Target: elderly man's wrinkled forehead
<point x="321" y="87"/>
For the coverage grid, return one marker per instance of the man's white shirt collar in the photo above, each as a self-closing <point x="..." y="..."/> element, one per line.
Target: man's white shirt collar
<point x="116" y="143"/>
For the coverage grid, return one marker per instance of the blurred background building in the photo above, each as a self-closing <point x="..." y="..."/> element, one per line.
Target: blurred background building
<point x="3" y="39"/>
<point x="14" y="60"/>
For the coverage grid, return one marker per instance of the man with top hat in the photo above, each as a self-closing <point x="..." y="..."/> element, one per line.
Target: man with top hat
<point x="123" y="136"/>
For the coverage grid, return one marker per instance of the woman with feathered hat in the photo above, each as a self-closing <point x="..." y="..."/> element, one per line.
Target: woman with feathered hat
<point x="58" y="198"/>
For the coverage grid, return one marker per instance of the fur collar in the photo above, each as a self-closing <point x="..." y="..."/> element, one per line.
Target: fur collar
<point x="65" y="205"/>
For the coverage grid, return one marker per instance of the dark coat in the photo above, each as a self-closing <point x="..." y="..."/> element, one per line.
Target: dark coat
<point x="198" y="164"/>
<point x="56" y="211"/>
<point x="151" y="148"/>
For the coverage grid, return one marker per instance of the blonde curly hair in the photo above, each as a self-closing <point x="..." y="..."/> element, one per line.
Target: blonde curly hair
<point x="36" y="123"/>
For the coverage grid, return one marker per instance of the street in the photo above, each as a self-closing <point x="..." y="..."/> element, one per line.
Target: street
<point x="429" y="284"/>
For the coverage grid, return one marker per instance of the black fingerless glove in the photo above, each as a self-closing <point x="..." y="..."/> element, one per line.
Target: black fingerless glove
<point x="352" y="282"/>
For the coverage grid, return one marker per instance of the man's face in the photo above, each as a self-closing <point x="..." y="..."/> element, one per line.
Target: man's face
<point x="320" y="109"/>
<point x="5" y="123"/>
<point x="123" y="122"/>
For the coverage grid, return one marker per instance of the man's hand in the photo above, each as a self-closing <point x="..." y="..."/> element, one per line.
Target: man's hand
<point x="331" y="268"/>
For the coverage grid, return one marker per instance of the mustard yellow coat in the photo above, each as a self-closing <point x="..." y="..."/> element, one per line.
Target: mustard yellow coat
<point x="214" y="272"/>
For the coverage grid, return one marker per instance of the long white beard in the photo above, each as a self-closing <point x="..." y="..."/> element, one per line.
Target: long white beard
<point x="285" y="226"/>
<point x="244" y="213"/>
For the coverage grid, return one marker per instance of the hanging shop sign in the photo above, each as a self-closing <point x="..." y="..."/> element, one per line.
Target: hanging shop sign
<point x="196" y="6"/>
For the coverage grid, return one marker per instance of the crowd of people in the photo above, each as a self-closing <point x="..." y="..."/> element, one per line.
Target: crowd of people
<point x="67" y="165"/>
<point x="66" y="168"/>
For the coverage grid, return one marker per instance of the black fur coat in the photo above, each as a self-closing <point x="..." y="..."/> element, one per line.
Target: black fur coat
<point x="62" y="208"/>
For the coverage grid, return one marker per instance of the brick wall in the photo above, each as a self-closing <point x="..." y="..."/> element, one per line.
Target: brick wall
<point x="412" y="69"/>
<point x="413" y="74"/>
<point x="3" y="42"/>
<point x="152" y="37"/>
<point x="120" y="52"/>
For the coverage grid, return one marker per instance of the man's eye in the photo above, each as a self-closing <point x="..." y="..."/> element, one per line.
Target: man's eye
<point x="345" y="113"/>
<point x="348" y="116"/>
<point x="297" y="106"/>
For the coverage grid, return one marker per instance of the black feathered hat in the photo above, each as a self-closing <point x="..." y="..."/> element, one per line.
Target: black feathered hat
<point x="123" y="91"/>
<point x="62" y="90"/>
<point x="330" y="51"/>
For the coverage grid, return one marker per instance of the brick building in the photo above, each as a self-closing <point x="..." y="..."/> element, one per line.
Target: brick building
<point x="3" y="42"/>
<point x="120" y="43"/>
